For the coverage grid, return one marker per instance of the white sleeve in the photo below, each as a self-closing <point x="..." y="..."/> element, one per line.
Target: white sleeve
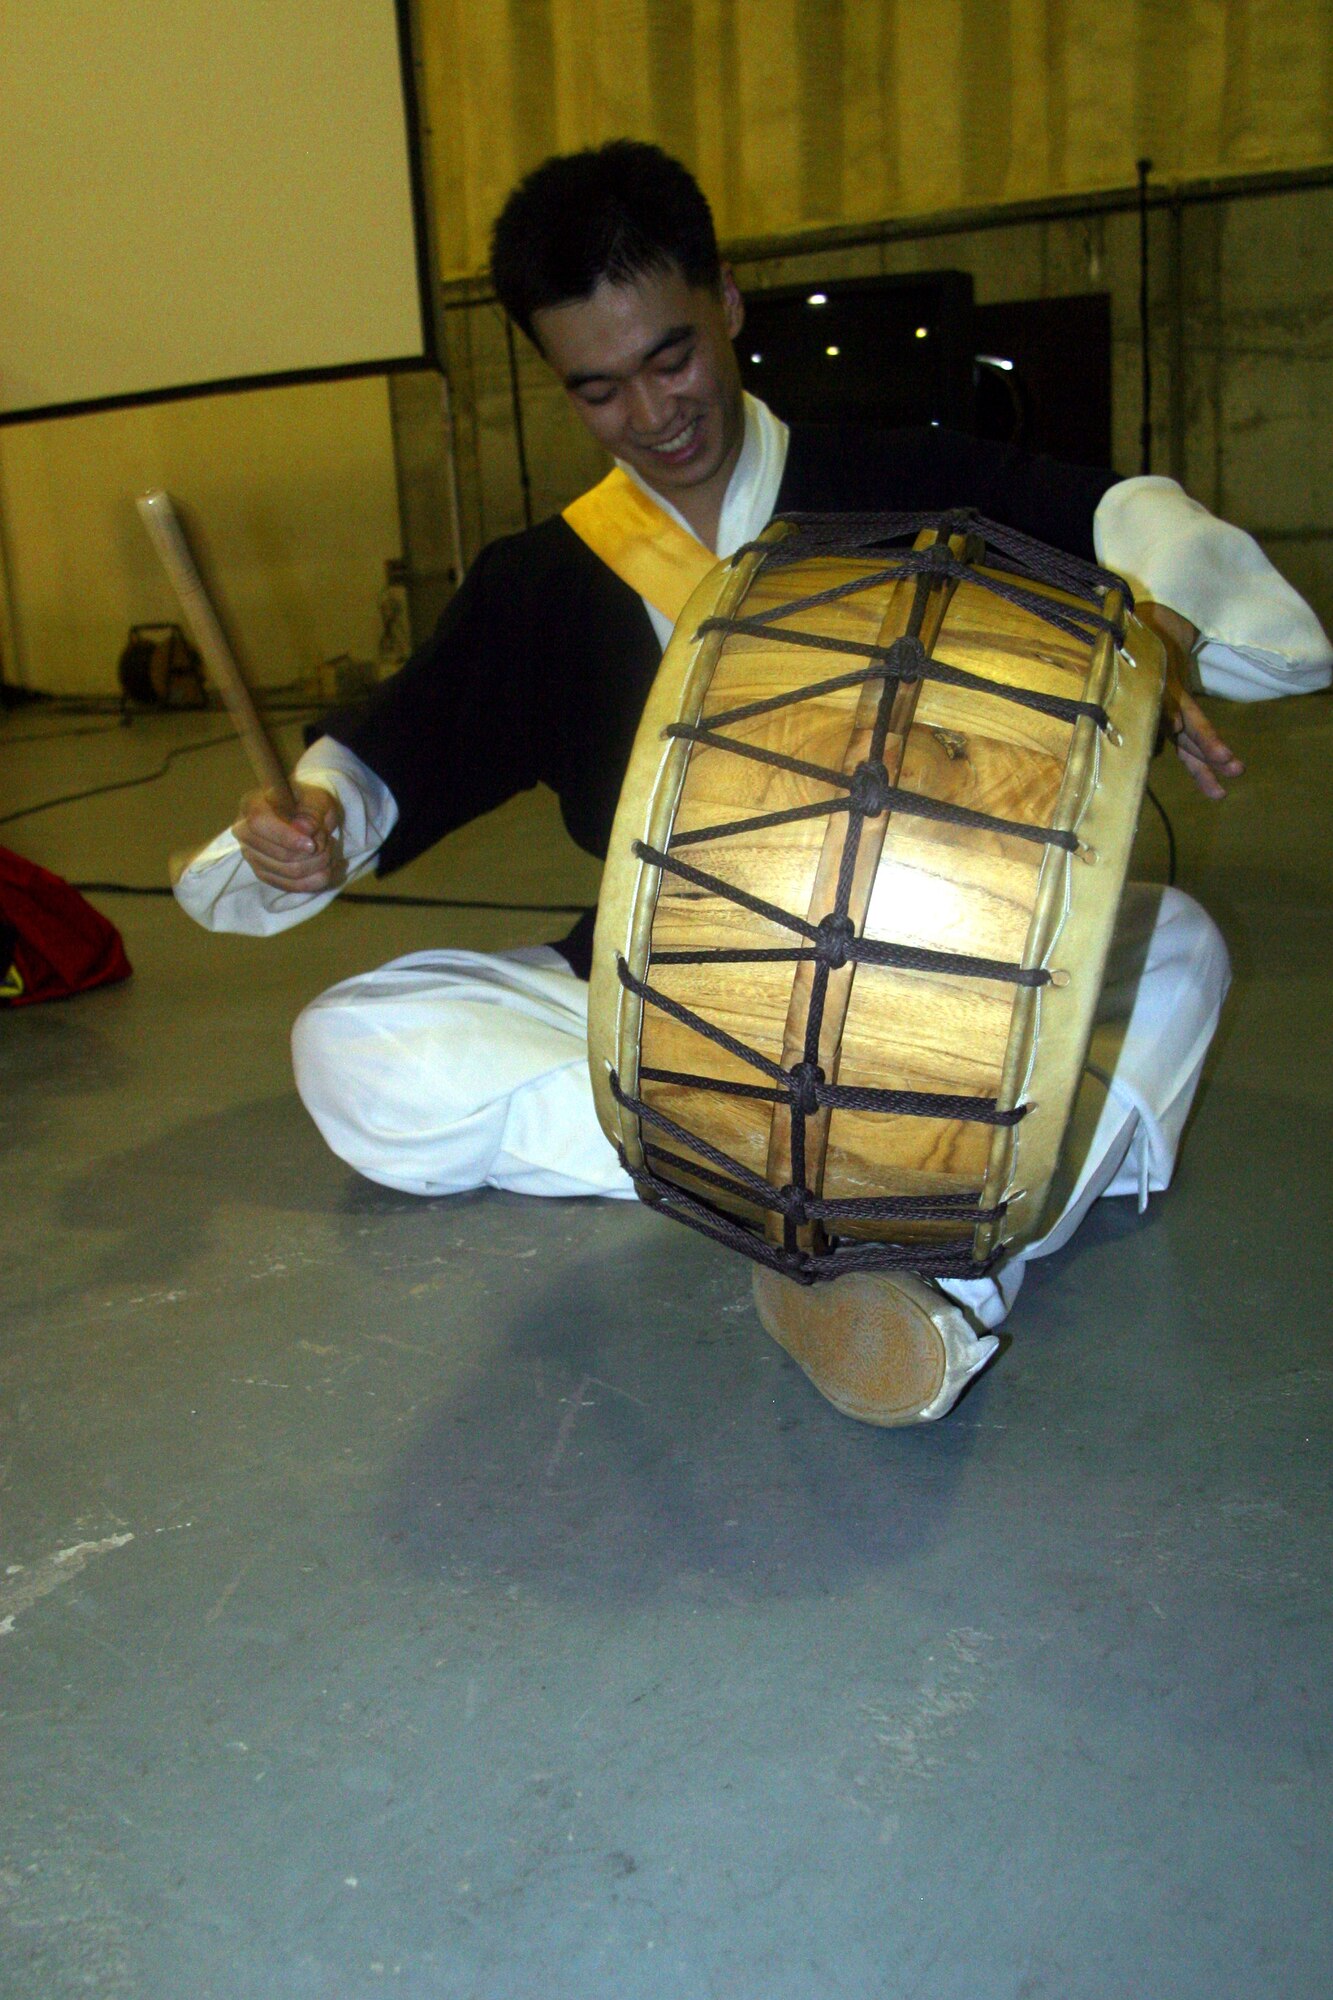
<point x="1257" y="636"/>
<point x="221" y="891"/>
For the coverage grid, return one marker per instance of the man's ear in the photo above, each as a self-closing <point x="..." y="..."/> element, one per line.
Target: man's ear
<point x="733" y="305"/>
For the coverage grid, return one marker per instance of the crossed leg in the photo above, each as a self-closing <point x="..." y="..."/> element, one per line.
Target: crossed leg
<point x="451" y="1070"/>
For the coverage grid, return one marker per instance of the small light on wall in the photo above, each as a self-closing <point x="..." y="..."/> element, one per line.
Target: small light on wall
<point x="756" y="358"/>
<point x="833" y="350"/>
<point x="996" y="361"/>
<point x="934" y="423"/>
<point x="817" y="299"/>
<point x="921" y="332"/>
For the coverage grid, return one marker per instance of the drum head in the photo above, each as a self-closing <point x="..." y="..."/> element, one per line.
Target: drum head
<point x="861" y="887"/>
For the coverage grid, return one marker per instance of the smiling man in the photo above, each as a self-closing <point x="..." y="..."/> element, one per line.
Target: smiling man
<point x="450" y="1070"/>
<point x="649" y="366"/>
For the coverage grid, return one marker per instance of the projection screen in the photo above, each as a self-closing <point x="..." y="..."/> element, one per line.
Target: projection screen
<point x="200" y="194"/>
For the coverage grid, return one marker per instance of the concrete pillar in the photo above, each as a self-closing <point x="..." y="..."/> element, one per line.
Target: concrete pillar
<point x="427" y="495"/>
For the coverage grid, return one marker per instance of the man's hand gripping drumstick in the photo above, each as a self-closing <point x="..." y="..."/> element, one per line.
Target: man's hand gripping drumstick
<point x="287" y="832"/>
<point x="1199" y="746"/>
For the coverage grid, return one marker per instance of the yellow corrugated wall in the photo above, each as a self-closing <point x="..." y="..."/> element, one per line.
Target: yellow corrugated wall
<point x="797" y="113"/>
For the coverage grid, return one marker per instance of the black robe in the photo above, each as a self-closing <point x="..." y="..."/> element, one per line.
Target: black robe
<point x="540" y="666"/>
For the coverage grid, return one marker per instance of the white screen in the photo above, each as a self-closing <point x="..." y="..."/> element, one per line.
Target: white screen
<point x="200" y="191"/>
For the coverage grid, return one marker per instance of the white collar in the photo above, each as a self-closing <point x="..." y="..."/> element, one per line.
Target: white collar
<point x="752" y="490"/>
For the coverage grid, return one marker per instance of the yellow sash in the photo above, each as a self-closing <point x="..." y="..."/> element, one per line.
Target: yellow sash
<point x="639" y="540"/>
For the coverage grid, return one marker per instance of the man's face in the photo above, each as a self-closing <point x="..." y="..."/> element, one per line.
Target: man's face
<point x="650" y="369"/>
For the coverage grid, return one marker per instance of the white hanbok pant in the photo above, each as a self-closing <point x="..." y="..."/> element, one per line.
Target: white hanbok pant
<point x="450" y="1070"/>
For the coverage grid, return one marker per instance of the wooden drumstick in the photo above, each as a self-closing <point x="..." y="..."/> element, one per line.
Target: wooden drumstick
<point x="168" y="538"/>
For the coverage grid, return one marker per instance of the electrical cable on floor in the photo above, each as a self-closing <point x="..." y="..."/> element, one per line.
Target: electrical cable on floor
<point x="11" y="701"/>
<point x="59" y="735"/>
<point x="361" y="896"/>
<point x="290" y="712"/>
<point x="465" y="903"/>
<point x="294" y="698"/>
<point x="118" y="784"/>
<point x="350" y="896"/>
<point x="1170" y="839"/>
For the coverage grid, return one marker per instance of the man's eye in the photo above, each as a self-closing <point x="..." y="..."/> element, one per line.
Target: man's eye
<point x="596" y="397"/>
<point x="674" y="363"/>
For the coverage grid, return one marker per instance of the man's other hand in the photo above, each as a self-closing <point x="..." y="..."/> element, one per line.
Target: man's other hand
<point x="1197" y="744"/>
<point x="301" y="854"/>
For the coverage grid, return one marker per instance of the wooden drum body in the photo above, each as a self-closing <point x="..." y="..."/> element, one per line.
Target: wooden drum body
<point x="861" y="887"/>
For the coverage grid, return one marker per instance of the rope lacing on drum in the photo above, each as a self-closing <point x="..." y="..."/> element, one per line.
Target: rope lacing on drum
<point x="833" y="942"/>
<point x="852" y="535"/>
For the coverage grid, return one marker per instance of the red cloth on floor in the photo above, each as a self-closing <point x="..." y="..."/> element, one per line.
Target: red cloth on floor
<point x="52" y="943"/>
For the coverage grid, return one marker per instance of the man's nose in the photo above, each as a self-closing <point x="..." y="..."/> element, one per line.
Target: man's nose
<point x="650" y="406"/>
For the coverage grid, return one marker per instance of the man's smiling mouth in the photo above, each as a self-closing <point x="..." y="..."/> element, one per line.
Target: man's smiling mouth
<point x="679" y="445"/>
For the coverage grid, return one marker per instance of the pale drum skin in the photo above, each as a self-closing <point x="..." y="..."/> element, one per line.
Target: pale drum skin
<point x="918" y="882"/>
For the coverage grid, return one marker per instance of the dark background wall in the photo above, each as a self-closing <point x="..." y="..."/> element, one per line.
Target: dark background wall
<point x="1241" y="313"/>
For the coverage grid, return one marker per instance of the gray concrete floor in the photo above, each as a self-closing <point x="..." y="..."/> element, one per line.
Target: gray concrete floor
<point x="463" y="1599"/>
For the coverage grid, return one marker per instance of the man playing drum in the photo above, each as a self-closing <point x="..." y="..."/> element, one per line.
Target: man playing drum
<point x="450" y="1070"/>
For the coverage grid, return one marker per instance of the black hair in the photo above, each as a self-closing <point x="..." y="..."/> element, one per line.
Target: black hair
<point x="612" y="212"/>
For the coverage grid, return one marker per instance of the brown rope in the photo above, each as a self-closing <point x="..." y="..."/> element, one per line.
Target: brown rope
<point x="833" y="943"/>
